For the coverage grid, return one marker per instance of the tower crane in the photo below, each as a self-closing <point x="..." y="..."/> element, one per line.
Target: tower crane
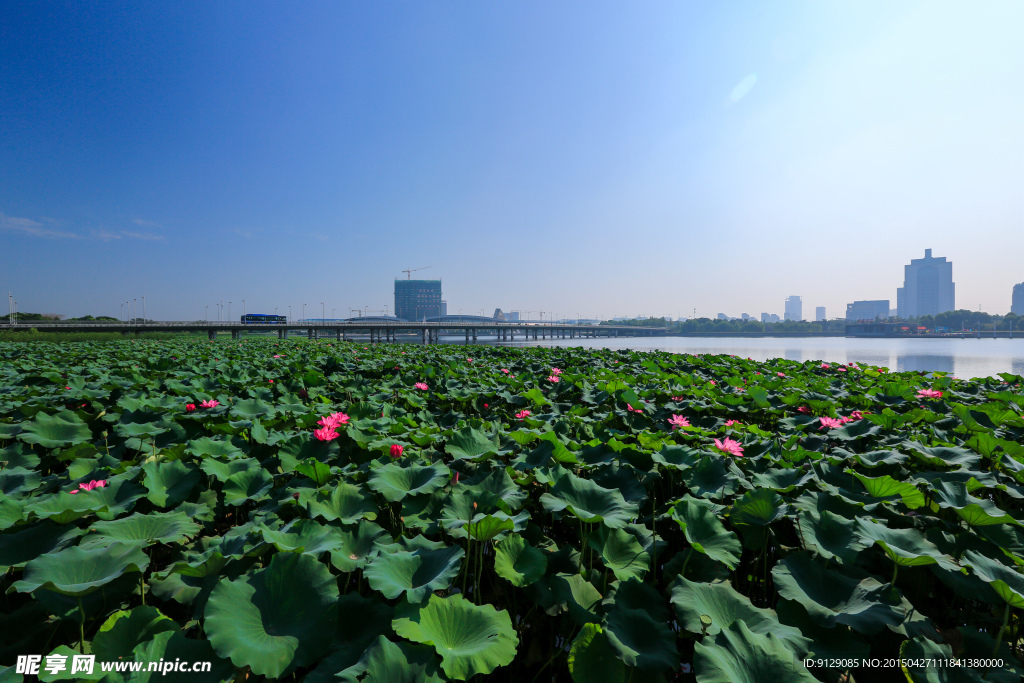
<point x="410" y="271"/>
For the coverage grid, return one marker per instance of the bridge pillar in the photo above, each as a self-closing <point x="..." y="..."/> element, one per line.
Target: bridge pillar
<point x="467" y="335"/>
<point x="338" y="332"/>
<point x="211" y="334"/>
<point x="474" y="334"/>
<point x="280" y="334"/>
<point x="310" y="332"/>
<point x="235" y="334"/>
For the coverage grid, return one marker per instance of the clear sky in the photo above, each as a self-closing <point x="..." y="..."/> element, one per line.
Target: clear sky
<point x="594" y="157"/>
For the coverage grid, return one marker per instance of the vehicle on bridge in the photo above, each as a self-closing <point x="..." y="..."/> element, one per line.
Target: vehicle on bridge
<point x="263" y="318"/>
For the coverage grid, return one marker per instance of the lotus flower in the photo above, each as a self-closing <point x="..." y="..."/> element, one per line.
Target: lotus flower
<point x="631" y="409"/>
<point x="929" y="393"/>
<point x="421" y="386"/>
<point x="677" y="399"/>
<point x="556" y="371"/>
<point x="781" y="374"/>
<point x="730" y="446"/>
<point x="829" y="422"/>
<point x="190" y="407"/>
<point x="94" y="484"/>
<point x="803" y="409"/>
<point x="333" y="421"/>
<point x="396" y="450"/>
<point x="856" y="415"/>
<point x="678" y="421"/>
<point x="469" y="360"/>
<point x="505" y="370"/>
<point x="211" y="403"/>
<point x="277" y="355"/>
<point x="730" y="423"/>
<point x="521" y="414"/>
<point x="326" y="434"/>
<point x="825" y="366"/>
<point x="714" y="383"/>
<point x="554" y="378"/>
<point x="840" y="369"/>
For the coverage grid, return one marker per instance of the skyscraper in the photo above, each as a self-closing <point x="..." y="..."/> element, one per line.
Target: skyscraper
<point x="417" y="299"/>
<point x="877" y="309"/>
<point x="819" y="314"/>
<point x="794" y="309"/>
<point x="1017" y="305"/>
<point x="928" y="287"/>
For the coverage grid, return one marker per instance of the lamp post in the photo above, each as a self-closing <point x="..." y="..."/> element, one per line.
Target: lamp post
<point x="121" y="314"/>
<point x="229" y="311"/>
<point x="243" y="308"/>
<point x="289" y="312"/>
<point x="303" y="311"/>
<point x="323" y="313"/>
<point x="206" y="312"/>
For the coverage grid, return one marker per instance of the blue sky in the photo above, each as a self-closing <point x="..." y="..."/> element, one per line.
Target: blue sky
<point x="600" y="158"/>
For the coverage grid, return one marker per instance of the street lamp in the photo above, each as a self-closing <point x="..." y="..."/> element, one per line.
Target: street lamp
<point x="289" y="312"/>
<point x="206" y="312"/>
<point x="243" y="308"/>
<point x="323" y="313"/>
<point x="229" y="311"/>
<point x="303" y="311"/>
<point x="121" y="315"/>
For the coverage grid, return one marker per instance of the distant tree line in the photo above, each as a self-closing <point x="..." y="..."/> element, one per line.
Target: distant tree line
<point x="49" y="318"/>
<point x="970" y="320"/>
<point x="952" y="320"/>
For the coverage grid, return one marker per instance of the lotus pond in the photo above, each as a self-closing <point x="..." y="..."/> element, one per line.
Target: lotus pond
<point x="338" y="511"/>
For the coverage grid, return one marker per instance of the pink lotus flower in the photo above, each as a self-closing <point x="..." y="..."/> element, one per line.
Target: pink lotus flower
<point x="730" y="446"/>
<point x="326" y="434"/>
<point x="505" y="370"/>
<point x="456" y="477"/>
<point x="829" y="422"/>
<point x="422" y="386"/>
<point x="852" y="365"/>
<point x="190" y="407"/>
<point x="469" y="360"/>
<point x="730" y="423"/>
<point x="396" y="450"/>
<point x="556" y="371"/>
<point x="333" y="421"/>
<point x="840" y="369"/>
<point x="211" y="403"/>
<point x="714" y="383"/>
<point x="781" y="374"/>
<point x="856" y="415"/>
<point x="825" y="366"/>
<point x="677" y="399"/>
<point x="521" y="414"/>
<point x="486" y="406"/>
<point x="271" y="381"/>
<point x="678" y="421"/>
<point x="554" y="378"/>
<point x="631" y="409"/>
<point x="94" y="484"/>
<point x="929" y="393"/>
<point x="277" y="355"/>
<point x="803" y="409"/>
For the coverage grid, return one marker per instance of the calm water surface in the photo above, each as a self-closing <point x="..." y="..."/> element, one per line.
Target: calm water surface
<point x="965" y="358"/>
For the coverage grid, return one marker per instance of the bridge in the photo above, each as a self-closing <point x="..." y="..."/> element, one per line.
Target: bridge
<point x="377" y="331"/>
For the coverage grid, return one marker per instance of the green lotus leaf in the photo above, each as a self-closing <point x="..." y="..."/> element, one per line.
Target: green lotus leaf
<point x="621" y="552"/>
<point x="887" y="487"/>
<point x="395" y="482"/>
<point x="118" y="496"/>
<point x="170" y="483"/>
<point x="905" y="547"/>
<point x="1006" y="582"/>
<point x="677" y="457"/>
<point x="416" y="573"/>
<point x="739" y="654"/>
<point x="361" y="621"/>
<point x="472" y="444"/>
<point x="77" y="571"/>
<point x="206" y="447"/>
<point x="16" y="480"/>
<point x="637" y="627"/>
<point x="725" y="606"/>
<point x="487" y="527"/>
<point x="223" y="470"/>
<point x="347" y="504"/>
<point x="831" y="535"/>
<point x="974" y="511"/>
<point x="30" y="542"/>
<point x="833" y="597"/>
<point x="592" y="660"/>
<point x="63" y="428"/>
<point x="781" y="480"/>
<point x="706" y="533"/>
<point x="251" y="409"/>
<point x="304" y="536"/>
<point x="319" y="472"/>
<point x="142" y="424"/>
<point x="711" y="478"/>
<point x="123" y="630"/>
<point x="943" y="456"/>
<point x="251" y="484"/>
<point x="387" y="662"/>
<point x="355" y="547"/>
<point x="757" y="508"/>
<point x="516" y="561"/>
<point x="142" y="530"/>
<point x="277" y="619"/>
<point x="65" y="675"/>
<point x="589" y="501"/>
<point x="471" y="639"/>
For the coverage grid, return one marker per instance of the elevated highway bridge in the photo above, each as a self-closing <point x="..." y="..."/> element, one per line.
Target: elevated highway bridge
<point x="376" y="330"/>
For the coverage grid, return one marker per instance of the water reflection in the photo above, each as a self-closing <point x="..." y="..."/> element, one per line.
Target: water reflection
<point x="793" y="354"/>
<point x="924" y="363"/>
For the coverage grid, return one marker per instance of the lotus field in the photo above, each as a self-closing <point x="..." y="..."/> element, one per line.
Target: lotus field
<point x="338" y="511"/>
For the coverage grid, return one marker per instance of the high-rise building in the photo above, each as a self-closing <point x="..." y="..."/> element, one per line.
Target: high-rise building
<point x="794" y="309"/>
<point x="769" y="317"/>
<point x="1017" y="304"/>
<point x="928" y="287"/>
<point x="819" y="314"/>
<point x="417" y="299"/>
<point x="867" y="310"/>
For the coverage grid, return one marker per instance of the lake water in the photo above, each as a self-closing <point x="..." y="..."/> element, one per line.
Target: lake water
<point x="965" y="358"/>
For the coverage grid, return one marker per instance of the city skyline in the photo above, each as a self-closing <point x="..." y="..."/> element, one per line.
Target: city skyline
<point x="583" y="157"/>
